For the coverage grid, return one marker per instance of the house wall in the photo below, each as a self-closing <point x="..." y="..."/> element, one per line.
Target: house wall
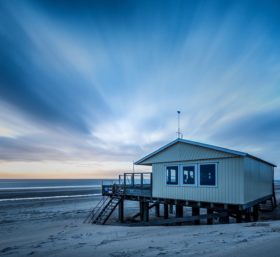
<point x="258" y="179"/>
<point x="181" y="152"/>
<point x="229" y="189"/>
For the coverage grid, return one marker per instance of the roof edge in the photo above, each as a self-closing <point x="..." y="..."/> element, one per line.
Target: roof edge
<point x="216" y="148"/>
<point x="155" y="152"/>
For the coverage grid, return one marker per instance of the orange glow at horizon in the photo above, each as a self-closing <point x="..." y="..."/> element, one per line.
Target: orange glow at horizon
<point x="65" y="170"/>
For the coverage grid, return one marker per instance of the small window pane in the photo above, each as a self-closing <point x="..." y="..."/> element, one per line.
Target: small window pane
<point x="208" y="175"/>
<point x="189" y="175"/>
<point x="172" y="175"/>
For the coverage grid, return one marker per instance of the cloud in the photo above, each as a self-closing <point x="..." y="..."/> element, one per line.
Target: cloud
<point x="40" y="81"/>
<point x="102" y="80"/>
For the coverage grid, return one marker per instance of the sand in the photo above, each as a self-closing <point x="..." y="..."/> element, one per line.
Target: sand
<point x="56" y="228"/>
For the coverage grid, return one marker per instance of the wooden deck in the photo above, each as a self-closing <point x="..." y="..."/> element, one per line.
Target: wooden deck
<point x="131" y="184"/>
<point x="138" y="187"/>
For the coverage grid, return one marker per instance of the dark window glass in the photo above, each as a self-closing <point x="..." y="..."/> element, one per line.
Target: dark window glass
<point x="172" y="175"/>
<point x="189" y="175"/>
<point x="208" y="175"/>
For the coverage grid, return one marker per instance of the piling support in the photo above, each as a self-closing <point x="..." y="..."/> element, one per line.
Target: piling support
<point x="255" y="212"/>
<point x="226" y="218"/>
<point x="157" y="210"/>
<point x="146" y="211"/>
<point x="179" y="211"/>
<point x="121" y="211"/>
<point x="165" y="211"/>
<point x="209" y="220"/>
<point x="196" y="212"/>
<point x="141" y="211"/>
<point x="248" y="215"/>
<point x="238" y="217"/>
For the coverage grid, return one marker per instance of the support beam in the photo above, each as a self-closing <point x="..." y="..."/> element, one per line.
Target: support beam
<point x="146" y="211"/>
<point x="226" y="219"/>
<point x="255" y="212"/>
<point x="196" y="212"/>
<point x="179" y="211"/>
<point x="238" y="217"/>
<point x="209" y="220"/>
<point x="165" y="211"/>
<point x="121" y="211"/>
<point x="141" y="207"/>
<point x="157" y="210"/>
<point x="248" y="215"/>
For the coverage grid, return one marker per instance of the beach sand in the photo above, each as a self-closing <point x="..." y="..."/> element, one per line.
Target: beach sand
<point x="56" y="228"/>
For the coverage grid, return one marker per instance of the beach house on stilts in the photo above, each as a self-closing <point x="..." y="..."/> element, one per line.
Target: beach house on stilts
<point x="215" y="182"/>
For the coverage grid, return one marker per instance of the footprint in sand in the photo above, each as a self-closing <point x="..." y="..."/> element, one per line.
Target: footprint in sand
<point x="275" y="229"/>
<point x="162" y="253"/>
<point x="8" y="249"/>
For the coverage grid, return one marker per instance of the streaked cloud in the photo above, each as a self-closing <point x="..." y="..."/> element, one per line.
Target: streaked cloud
<point x="101" y="81"/>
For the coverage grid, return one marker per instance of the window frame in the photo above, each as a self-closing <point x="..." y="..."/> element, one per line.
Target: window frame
<point x="195" y="175"/>
<point x="177" y="175"/>
<point x="216" y="174"/>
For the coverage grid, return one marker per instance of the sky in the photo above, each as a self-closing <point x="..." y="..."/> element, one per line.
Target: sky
<point x="88" y="87"/>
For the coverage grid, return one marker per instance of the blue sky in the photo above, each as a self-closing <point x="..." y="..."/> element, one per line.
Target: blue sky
<point x="86" y="87"/>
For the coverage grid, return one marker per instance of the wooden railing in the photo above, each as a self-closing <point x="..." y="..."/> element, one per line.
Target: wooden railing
<point x="136" y="184"/>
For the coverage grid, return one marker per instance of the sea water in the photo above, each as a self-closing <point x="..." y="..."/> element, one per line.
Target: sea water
<point x="29" y="189"/>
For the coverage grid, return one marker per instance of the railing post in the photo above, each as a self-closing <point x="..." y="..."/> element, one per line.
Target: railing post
<point x="132" y="179"/>
<point x="165" y="210"/>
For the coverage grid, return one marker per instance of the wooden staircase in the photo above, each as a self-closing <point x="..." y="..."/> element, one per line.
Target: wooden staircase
<point x="103" y="210"/>
<point x="267" y="206"/>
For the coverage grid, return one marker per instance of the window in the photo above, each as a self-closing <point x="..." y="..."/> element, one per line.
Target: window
<point x="208" y="174"/>
<point x="189" y="175"/>
<point x="172" y="175"/>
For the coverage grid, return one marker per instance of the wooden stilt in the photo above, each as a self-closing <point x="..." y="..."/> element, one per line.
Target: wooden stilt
<point x="146" y="211"/>
<point x="256" y="213"/>
<point x="238" y="217"/>
<point x="248" y="215"/>
<point x="157" y="210"/>
<point x="226" y="219"/>
<point x="196" y="212"/>
<point x="121" y="211"/>
<point x="179" y="211"/>
<point x="165" y="211"/>
<point x="209" y="220"/>
<point x="141" y="207"/>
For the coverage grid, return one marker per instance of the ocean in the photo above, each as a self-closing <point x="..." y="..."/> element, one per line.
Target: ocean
<point x="40" y="189"/>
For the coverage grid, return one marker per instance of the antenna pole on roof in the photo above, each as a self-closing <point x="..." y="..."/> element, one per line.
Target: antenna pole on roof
<point x="180" y="135"/>
<point x="133" y="166"/>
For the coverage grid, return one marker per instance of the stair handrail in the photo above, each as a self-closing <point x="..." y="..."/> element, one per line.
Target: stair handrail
<point x="104" y="208"/>
<point x="92" y="211"/>
<point x="95" y="209"/>
<point x="112" y="210"/>
<point x="100" y="208"/>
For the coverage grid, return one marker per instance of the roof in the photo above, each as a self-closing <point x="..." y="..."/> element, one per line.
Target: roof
<point x="213" y="147"/>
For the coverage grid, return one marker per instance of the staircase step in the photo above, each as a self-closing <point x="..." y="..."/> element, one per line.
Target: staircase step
<point x="106" y="212"/>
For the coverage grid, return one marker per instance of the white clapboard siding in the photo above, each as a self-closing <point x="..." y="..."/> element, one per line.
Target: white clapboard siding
<point x="230" y="179"/>
<point x="182" y="152"/>
<point x="258" y="179"/>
